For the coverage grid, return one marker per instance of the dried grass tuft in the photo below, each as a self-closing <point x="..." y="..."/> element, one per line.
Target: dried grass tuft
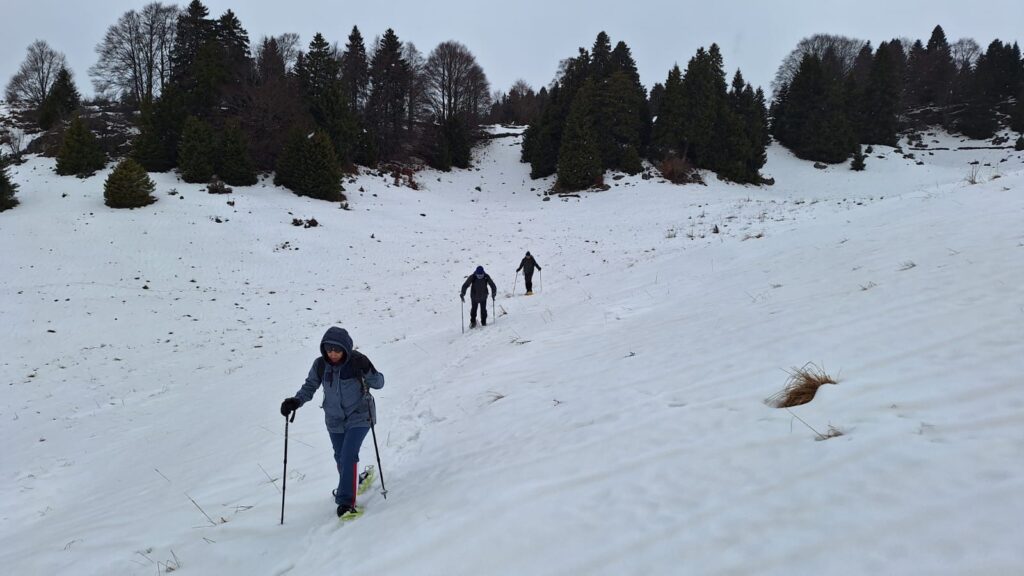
<point x="801" y="386"/>
<point x="832" y="433"/>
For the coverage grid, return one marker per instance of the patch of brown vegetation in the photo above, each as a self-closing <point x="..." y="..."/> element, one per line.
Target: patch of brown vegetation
<point x="801" y="386"/>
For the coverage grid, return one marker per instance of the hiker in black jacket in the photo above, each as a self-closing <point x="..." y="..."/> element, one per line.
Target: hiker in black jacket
<point x="479" y="280"/>
<point x="527" y="266"/>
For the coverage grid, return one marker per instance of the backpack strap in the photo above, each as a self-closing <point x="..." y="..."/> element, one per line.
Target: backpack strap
<point x="320" y="367"/>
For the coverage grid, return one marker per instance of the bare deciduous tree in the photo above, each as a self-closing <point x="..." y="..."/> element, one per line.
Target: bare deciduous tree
<point x="32" y="82"/>
<point x="844" y="49"/>
<point x="134" y="55"/>
<point x="965" y="53"/>
<point x="456" y="85"/>
<point x="417" y="97"/>
<point x="288" y="44"/>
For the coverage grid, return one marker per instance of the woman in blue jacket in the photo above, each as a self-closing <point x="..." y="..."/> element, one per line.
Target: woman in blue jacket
<point x="346" y="376"/>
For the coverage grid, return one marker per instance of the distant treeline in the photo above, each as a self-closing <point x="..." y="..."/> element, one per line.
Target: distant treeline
<point x="206" y="102"/>
<point x="210" y="103"/>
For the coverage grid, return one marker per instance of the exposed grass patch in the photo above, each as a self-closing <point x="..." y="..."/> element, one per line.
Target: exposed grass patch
<point x="801" y="386"/>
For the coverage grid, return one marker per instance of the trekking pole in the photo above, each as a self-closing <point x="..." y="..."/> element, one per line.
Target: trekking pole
<point x="380" y="469"/>
<point x="463" y="310"/>
<point x="284" y="475"/>
<point x="541" y="280"/>
<point x="494" y="308"/>
<point x="514" y="283"/>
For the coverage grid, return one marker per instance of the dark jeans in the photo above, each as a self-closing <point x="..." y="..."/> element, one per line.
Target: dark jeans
<point x="346" y="454"/>
<point x="483" y="311"/>
<point x="529" y="281"/>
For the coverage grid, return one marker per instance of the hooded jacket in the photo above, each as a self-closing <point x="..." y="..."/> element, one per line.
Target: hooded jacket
<point x="345" y="406"/>
<point x="479" y="281"/>
<point x="527" y="265"/>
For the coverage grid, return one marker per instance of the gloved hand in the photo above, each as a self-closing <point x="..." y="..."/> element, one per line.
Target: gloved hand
<point x="361" y="364"/>
<point x="463" y="298"/>
<point x="289" y="405"/>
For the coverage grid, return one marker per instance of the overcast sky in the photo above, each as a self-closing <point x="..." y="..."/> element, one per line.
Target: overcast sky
<point x="527" y="38"/>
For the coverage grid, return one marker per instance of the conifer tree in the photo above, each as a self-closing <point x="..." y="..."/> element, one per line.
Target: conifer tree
<point x="209" y="60"/>
<point x="622" y="61"/>
<point x="161" y="122"/>
<point x="546" y="134"/>
<point x="543" y="138"/>
<point x="236" y="166"/>
<point x="288" y="170"/>
<point x="355" y="70"/>
<point x="196" y="153"/>
<point x="759" y="133"/>
<point x="779" y="115"/>
<point x="80" y="153"/>
<point x="704" y="92"/>
<point x="881" y="100"/>
<point x="319" y="70"/>
<point x="128" y="186"/>
<point x="938" y="78"/>
<point x="366" y="152"/>
<point x="916" y="72"/>
<point x="449" y="144"/>
<point x="857" y="163"/>
<point x="1017" y="114"/>
<point x="812" y="122"/>
<point x="854" y="87"/>
<point x="898" y="56"/>
<point x="730" y="149"/>
<point x="270" y="65"/>
<point x="601" y="57"/>
<point x="668" y="136"/>
<point x="977" y="120"/>
<point x="334" y="114"/>
<point x="745" y="132"/>
<point x="321" y="175"/>
<point x="623" y="115"/>
<point x="307" y="166"/>
<point x="862" y="66"/>
<point x="390" y="78"/>
<point x="7" y="189"/>
<point x="579" y="158"/>
<point x="233" y="41"/>
<point x="62" y="100"/>
<point x="998" y="73"/>
<point x="630" y="161"/>
<point x="654" y="101"/>
<point x="193" y="31"/>
<point x="930" y="71"/>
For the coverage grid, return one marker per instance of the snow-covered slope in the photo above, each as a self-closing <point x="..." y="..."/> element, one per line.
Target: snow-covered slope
<point x="613" y="423"/>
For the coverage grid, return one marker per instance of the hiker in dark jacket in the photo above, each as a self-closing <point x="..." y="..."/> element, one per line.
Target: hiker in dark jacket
<point x="479" y="280"/>
<point x="527" y="266"/>
<point x="348" y="406"/>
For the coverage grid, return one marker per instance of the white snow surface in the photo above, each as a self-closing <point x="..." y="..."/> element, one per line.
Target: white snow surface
<point x="612" y="423"/>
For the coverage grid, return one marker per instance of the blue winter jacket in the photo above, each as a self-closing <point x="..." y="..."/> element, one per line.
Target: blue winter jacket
<point x="345" y="406"/>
